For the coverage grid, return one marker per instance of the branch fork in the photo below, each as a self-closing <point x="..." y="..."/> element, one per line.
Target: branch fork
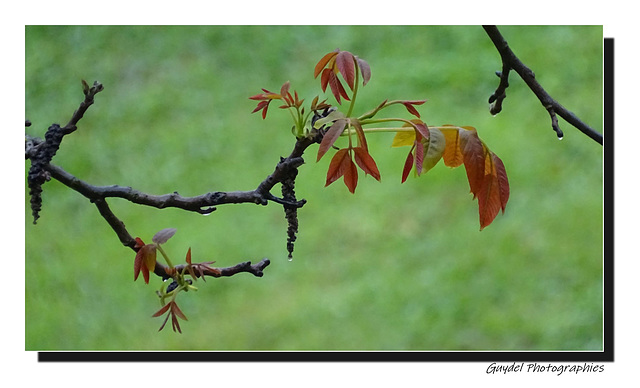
<point x="511" y="62"/>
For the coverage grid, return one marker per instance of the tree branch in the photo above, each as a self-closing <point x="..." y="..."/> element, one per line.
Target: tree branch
<point x="40" y="152"/>
<point x="511" y="62"/>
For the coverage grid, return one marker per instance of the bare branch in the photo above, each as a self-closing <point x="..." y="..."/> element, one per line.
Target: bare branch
<point x="511" y="62"/>
<point x="41" y="152"/>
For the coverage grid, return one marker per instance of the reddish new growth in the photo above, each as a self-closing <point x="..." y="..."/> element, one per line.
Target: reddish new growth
<point x="343" y="73"/>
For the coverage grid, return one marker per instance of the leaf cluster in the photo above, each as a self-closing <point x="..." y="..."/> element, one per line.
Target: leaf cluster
<point x="146" y="261"/>
<point x="342" y="73"/>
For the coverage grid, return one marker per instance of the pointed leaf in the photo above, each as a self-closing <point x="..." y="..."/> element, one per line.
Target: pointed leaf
<point x="503" y="181"/>
<point x="474" y="159"/>
<point x="331" y="136"/>
<point x="336" y="88"/>
<point x="137" y="265"/>
<point x="408" y="164"/>
<point x="366" y="162"/>
<point x="350" y="174"/>
<point x="145" y="273"/>
<point x="419" y="158"/>
<point x="323" y="62"/>
<point x="176" y="310"/>
<point x="488" y="200"/>
<point x="346" y="66"/>
<point x="411" y="108"/>
<point x="365" y="70"/>
<point x="422" y="128"/>
<point x="336" y="167"/>
<point x="324" y="79"/>
<point x="162" y="310"/>
<point x="284" y="90"/>
<point x="164" y="235"/>
<point x="188" y="259"/>
<point x="433" y="149"/>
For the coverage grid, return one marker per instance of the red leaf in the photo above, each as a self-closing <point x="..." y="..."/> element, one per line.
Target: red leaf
<point x="408" y="163"/>
<point x="411" y="109"/>
<point x="366" y="162"/>
<point x="473" y="155"/>
<point x="162" y="310"/>
<point x="421" y="128"/>
<point x="494" y="192"/>
<point x="145" y="273"/>
<point x="350" y="174"/>
<point x="331" y="136"/>
<point x="323" y="62"/>
<point x="488" y="200"/>
<point x="503" y="181"/>
<point x="346" y="66"/>
<point x="284" y="90"/>
<point x="324" y="79"/>
<point x="188" y="259"/>
<point x="336" y="167"/>
<point x="176" y="310"/>
<point x="419" y="160"/>
<point x="261" y="105"/>
<point x="365" y="70"/>
<point x="336" y="87"/>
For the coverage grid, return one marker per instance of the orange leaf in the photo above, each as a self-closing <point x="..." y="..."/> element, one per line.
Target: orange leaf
<point x="323" y="62"/>
<point x="452" y="154"/>
<point x="330" y="137"/>
<point x="188" y="259"/>
<point x="336" y="167"/>
<point x="149" y="256"/>
<point x="366" y="162"/>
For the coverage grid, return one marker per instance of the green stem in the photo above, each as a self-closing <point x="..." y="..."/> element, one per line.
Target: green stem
<point x="164" y="254"/>
<point x="355" y="90"/>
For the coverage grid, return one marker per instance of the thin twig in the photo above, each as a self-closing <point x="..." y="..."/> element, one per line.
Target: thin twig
<point x="511" y="62"/>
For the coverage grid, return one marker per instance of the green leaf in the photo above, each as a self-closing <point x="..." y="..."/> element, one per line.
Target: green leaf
<point x="433" y="149"/>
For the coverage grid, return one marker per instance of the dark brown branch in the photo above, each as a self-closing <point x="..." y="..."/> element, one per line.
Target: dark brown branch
<point x="40" y="152"/>
<point x="511" y="62"/>
<point x="89" y="94"/>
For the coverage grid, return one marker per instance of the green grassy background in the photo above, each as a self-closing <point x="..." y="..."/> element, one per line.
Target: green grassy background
<point x="393" y="267"/>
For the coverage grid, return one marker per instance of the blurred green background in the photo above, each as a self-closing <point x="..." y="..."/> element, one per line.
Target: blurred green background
<point x="393" y="267"/>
